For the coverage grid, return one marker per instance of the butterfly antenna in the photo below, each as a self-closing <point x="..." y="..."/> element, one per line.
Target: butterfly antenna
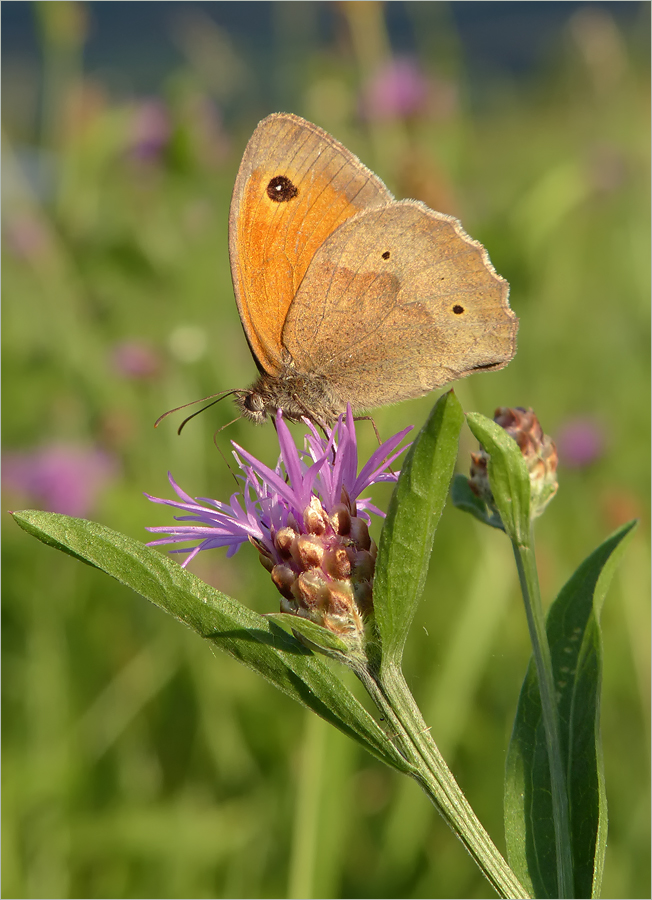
<point x="197" y="412"/>
<point x="221" y="396"/>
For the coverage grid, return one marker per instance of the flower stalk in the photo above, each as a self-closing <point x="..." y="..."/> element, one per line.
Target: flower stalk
<point x="529" y="580"/>
<point x="514" y="478"/>
<point x="412" y="736"/>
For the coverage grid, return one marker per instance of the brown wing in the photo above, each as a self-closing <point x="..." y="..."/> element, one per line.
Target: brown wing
<point x="399" y="301"/>
<point x="295" y="185"/>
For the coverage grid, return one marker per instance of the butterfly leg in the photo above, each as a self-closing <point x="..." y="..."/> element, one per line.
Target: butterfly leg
<point x="375" y="428"/>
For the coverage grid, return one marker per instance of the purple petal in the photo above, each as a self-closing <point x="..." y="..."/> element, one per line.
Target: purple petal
<point x="379" y="461"/>
<point x="271" y="499"/>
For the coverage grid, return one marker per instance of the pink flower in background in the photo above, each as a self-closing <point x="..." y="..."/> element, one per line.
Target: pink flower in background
<point x="150" y="130"/>
<point x="26" y="237"/>
<point x="63" y="478"/>
<point x="135" y="359"/>
<point x="579" y="442"/>
<point x="211" y="141"/>
<point x="398" y="89"/>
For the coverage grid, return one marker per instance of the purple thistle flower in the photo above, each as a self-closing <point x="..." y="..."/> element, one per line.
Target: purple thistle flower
<point x="305" y="517"/>
<point x="580" y="442"/>
<point x="398" y="89"/>
<point x="62" y="478"/>
<point x="135" y="359"/>
<point x="151" y="130"/>
<point x="271" y="498"/>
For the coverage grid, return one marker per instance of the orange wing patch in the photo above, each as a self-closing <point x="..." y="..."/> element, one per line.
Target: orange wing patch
<point x="296" y="186"/>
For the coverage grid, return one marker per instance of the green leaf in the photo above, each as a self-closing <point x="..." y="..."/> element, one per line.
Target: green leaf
<point x="250" y="638"/>
<point x="573" y="631"/>
<point x="463" y="498"/>
<point x="409" y="530"/>
<point x="508" y="476"/>
<point x="316" y="634"/>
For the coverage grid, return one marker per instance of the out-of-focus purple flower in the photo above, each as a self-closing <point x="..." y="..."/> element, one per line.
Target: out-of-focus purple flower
<point x="150" y="131"/>
<point x="399" y="89"/>
<point x="580" y="442"/>
<point x="210" y="138"/>
<point x="63" y="478"/>
<point x="306" y="519"/>
<point x="26" y="237"/>
<point x="135" y="359"/>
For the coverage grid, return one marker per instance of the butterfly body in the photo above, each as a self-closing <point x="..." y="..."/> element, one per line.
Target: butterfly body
<point x="345" y="294"/>
<point x="298" y="395"/>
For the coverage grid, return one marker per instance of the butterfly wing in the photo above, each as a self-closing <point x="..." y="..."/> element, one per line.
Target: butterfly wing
<point x="396" y="302"/>
<point x="295" y="186"/>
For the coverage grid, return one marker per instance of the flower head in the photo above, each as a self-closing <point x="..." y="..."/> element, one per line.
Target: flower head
<point x="306" y="519"/>
<point x="538" y="450"/>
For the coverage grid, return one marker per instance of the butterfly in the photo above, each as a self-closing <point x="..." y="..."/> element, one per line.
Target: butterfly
<point x="345" y="294"/>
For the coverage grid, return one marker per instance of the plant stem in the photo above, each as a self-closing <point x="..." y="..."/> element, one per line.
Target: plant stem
<point x="392" y="696"/>
<point x="310" y="787"/>
<point x="527" y="573"/>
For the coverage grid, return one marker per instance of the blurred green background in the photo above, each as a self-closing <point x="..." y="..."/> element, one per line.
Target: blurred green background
<point x="136" y="763"/>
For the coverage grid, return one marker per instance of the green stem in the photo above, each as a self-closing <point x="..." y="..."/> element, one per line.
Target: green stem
<point x="392" y="696"/>
<point x="305" y="837"/>
<point x="527" y="573"/>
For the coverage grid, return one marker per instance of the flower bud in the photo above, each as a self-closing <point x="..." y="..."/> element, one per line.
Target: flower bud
<point x="539" y="453"/>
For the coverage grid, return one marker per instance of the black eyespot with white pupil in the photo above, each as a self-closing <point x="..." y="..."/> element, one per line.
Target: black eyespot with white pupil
<point x="280" y="189"/>
<point x="458" y="310"/>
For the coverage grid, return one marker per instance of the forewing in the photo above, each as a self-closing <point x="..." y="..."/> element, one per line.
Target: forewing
<point x="396" y="302"/>
<point x="295" y="186"/>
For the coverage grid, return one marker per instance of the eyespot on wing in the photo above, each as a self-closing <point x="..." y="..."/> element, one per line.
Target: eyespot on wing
<point x="295" y="186"/>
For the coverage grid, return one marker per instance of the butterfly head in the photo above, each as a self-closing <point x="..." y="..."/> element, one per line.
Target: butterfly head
<point x="252" y="406"/>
